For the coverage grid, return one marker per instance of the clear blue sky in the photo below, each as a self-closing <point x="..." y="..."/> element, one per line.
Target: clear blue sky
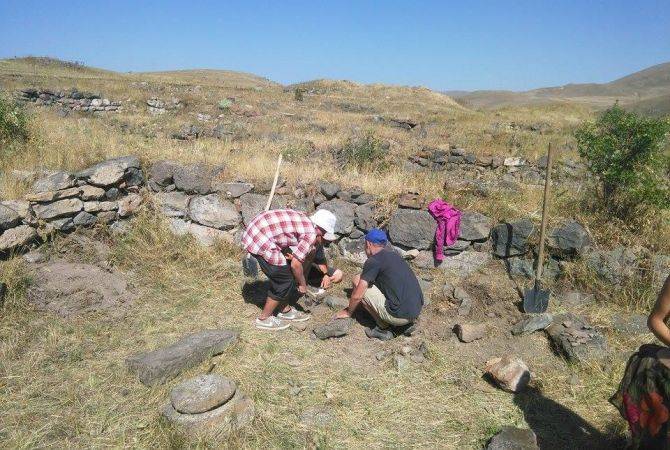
<point x="444" y="45"/>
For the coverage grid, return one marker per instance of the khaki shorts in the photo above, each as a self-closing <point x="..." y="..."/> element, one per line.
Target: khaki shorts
<point x="374" y="297"/>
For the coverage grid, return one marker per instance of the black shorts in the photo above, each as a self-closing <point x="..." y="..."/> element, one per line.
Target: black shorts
<point x="282" y="282"/>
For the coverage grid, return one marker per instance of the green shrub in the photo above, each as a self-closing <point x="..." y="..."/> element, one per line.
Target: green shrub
<point x="299" y="94"/>
<point x="364" y="150"/>
<point x="628" y="154"/>
<point x="224" y="105"/>
<point x="13" y="122"/>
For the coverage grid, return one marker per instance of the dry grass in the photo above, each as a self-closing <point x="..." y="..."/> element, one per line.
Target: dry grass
<point x="64" y="383"/>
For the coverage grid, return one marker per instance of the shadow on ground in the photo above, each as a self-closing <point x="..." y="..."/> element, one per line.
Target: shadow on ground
<point x="557" y="427"/>
<point x="255" y="292"/>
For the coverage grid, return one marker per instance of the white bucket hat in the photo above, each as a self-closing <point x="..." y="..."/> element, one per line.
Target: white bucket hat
<point x="326" y="220"/>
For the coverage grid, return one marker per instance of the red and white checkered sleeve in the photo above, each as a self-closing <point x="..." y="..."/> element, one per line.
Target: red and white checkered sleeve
<point x="306" y="240"/>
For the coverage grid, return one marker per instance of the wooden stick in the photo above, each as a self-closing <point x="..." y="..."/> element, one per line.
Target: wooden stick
<point x="274" y="184"/>
<point x="543" y="228"/>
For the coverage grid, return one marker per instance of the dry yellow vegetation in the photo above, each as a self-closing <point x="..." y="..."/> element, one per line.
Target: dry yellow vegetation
<point x="63" y="382"/>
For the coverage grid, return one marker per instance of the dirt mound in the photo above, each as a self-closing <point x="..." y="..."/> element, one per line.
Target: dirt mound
<point x="70" y="289"/>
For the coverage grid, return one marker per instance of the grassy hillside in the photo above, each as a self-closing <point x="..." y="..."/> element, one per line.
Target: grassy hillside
<point x="64" y="383"/>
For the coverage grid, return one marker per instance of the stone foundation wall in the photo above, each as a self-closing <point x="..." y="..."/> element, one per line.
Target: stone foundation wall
<point x="74" y="100"/>
<point x="108" y="192"/>
<point x="511" y="169"/>
<point x="205" y="202"/>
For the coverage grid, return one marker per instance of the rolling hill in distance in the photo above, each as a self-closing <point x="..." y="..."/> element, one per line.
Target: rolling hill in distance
<point x="646" y="91"/>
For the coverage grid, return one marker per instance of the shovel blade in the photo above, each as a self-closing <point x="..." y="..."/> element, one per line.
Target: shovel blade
<point x="535" y="300"/>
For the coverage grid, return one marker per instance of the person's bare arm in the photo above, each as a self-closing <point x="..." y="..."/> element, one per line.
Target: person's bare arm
<point x="299" y="274"/>
<point x="356" y="297"/>
<point x="325" y="280"/>
<point x="656" y="320"/>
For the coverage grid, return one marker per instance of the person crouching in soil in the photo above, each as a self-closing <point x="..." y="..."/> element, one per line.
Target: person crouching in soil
<point x="283" y="241"/>
<point x="643" y="397"/>
<point x="387" y="288"/>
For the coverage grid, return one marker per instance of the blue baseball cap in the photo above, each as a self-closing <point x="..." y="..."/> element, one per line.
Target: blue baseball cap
<point x="376" y="236"/>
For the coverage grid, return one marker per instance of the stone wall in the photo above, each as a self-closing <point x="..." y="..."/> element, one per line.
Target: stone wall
<point x="203" y="201"/>
<point x="511" y="169"/>
<point x="108" y="192"/>
<point x="73" y="100"/>
<point x="198" y="200"/>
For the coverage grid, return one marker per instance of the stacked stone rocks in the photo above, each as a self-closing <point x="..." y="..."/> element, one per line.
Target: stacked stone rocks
<point x="199" y="201"/>
<point x="208" y="406"/>
<point x="511" y="168"/>
<point x="107" y="192"/>
<point x="156" y="106"/>
<point x="73" y="100"/>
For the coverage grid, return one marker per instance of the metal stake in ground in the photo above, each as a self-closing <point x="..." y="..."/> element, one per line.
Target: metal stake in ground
<point x="536" y="300"/>
<point x="249" y="264"/>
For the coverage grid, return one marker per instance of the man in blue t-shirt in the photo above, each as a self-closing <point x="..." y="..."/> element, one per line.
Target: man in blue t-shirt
<point x="387" y="288"/>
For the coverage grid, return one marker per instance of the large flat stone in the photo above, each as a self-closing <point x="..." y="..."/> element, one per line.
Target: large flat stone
<point x="202" y="393"/>
<point x="334" y="328"/>
<point x="60" y="208"/>
<point x="511" y="239"/>
<point x="53" y="182"/>
<point x="172" y="204"/>
<point x="8" y="218"/>
<point x="215" y="424"/>
<point x="212" y="211"/>
<point x="109" y="172"/>
<point x="475" y="226"/>
<point x="254" y="204"/>
<point x="21" y="207"/>
<point x="232" y="189"/>
<point x="195" y="178"/>
<point x="577" y="340"/>
<point x="412" y="228"/>
<point x="206" y="236"/>
<point x="465" y="263"/>
<point x="50" y="196"/>
<point x="17" y="237"/>
<point x="511" y="438"/>
<point x="163" y="364"/>
<point x="345" y="213"/>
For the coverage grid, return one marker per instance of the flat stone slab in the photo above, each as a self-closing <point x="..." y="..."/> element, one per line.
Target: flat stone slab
<point x="202" y="393"/>
<point x="575" y="339"/>
<point x="532" y="323"/>
<point x="513" y="438"/>
<point x="334" y="328"/>
<point x="215" y="424"/>
<point x="159" y="366"/>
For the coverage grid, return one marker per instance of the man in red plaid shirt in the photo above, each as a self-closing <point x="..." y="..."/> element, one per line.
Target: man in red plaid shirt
<point x="283" y="241"/>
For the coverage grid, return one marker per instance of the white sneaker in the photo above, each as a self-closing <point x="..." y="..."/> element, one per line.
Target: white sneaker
<point x="271" y="323"/>
<point x="294" y="316"/>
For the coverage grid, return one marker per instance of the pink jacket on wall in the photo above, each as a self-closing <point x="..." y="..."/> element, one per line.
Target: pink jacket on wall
<point x="448" y="225"/>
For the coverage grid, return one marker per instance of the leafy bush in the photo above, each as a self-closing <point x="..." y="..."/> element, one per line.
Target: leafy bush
<point x="13" y="122"/>
<point x="299" y="94"/>
<point x="628" y="154"/>
<point x="364" y="150"/>
<point x="224" y="105"/>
